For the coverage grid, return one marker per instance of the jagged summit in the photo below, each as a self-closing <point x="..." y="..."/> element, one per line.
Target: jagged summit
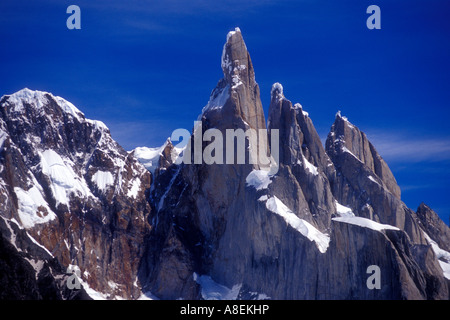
<point x="345" y="138"/>
<point x="38" y="103"/>
<point x="38" y="99"/>
<point x="236" y="64"/>
<point x="236" y="96"/>
<point x="277" y="91"/>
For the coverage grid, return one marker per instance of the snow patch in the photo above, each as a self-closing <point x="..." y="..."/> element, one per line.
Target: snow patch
<point x="343" y="211"/>
<point x="149" y="157"/>
<point x="345" y="149"/>
<point x="442" y="255"/>
<point x="33" y="209"/>
<point x="27" y="97"/>
<point x="259" y="179"/>
<point x="305" y="228"/>
<point x="68" y="107"/>
<point x="365" y="223"/>
<point x="39" y="245"/>
<point x="103" y="179"/>
<point x="311" y="168"/>
<point x="62" y="176"/>
<point x="135" y="186"/>
<point x="373" y="180"/>
<point x="212" y="290"/>
<point x="36" y="264"/>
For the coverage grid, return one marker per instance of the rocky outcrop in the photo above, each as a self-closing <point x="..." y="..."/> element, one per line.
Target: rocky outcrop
<point x="363" y="181"/>
<point x="74" y="189"/>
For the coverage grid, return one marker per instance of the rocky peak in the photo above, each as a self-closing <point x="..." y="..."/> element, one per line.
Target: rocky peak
<point x="73" y="188"/>
<point x="235" y="102"/>
<point x="236" y="63"/>
<point x="344" y="137"/>
<point x="302" y="151"/>
<point x="433" y="226"/>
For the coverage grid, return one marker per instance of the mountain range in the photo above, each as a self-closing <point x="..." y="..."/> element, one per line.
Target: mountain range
<point x="140" y="224"/>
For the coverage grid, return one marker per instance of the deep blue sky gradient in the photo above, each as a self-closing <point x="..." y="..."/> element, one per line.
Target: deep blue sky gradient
<point x="146" y="68"/>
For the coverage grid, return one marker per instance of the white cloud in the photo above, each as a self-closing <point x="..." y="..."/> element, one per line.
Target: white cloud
<point x="396" y="147"/>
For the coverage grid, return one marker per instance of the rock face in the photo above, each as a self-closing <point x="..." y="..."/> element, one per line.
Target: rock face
<point x="74" y="189"/>
<point x="291" y="219"/>
<point x="30" y="272"/>
<point x="309" y="231"/>
<point x="363" y="181"/>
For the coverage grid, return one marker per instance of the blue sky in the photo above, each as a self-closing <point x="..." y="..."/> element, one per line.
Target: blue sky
<point x="146" y="68"/>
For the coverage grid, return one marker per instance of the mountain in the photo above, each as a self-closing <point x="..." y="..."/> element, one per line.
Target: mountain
<point x="73" y="189"/>
<point x="309" y="231"/>
<point x="275" y="215"/>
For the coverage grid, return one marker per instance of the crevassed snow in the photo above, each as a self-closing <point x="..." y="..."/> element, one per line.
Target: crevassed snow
<point x="365" y="223"/>
<point x="38" y="99"/>
<point x="27" y="96"/>
<point x="311" y="168"/>
<point x="31" y="207"/>
<point x="343" y="211"/>
<point x="63" y="179"/>
<point x="212" y="290"/>
<point x="259" y="179"/>
<point x="68" y="107"/>
<point x="305" y="228"/>
<point x="149" y="157"/>
<point x="103" y="179"/>
<point x="98" y="125"/>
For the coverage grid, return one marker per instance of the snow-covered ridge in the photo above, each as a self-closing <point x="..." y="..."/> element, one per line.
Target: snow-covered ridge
<point x="149" y="157"/>
<point x="321" y="240"/>
<point x="38" y="99"/>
